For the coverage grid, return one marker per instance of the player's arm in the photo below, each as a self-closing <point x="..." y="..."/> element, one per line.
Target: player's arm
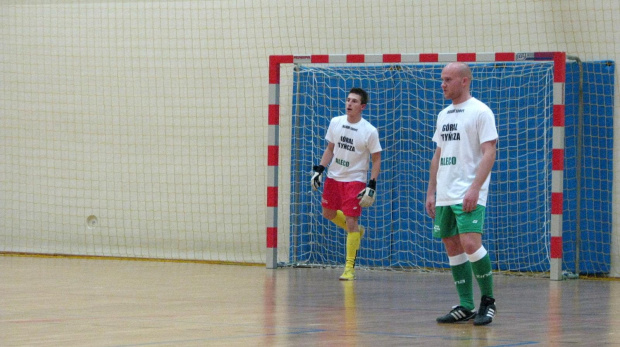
<point x="367" y="195"/>
<point x="470" y="201"/>
<point x="432" y="183"/>
<point x="328" y="154"/>
<point x="376" y="165"/>
<point x="317" y="175"/>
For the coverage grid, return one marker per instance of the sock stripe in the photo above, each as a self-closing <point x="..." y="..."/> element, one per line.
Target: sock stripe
<point x="458" y="259"/>
<point x="477" y="255"/>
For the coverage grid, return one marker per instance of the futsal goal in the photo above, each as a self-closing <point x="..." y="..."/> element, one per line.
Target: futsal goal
<point x="524" y="222"/>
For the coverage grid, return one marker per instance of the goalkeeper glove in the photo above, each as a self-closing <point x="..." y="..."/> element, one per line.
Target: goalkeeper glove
<point x="317" y="176"/>
<point x="367" y="195"/>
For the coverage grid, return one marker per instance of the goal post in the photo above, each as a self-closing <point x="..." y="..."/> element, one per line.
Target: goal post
<point x="552" y="193"/>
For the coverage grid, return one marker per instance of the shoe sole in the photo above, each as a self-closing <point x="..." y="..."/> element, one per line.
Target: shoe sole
<point x="457" y="321"/>
<point x="462" y="320"/>
<point x="483" y="323"/>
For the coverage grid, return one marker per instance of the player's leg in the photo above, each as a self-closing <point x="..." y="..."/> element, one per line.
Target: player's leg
<point x="339" y="219"/>
<point x="480" y="263"/>
<point x="471" y="226"/>
<point x="352" y="211"/>
<point x="445" y="227"/>
<point x="463" y="281"/>
<point x="481" y="266"/>
<point x="331" y="202"/>
<point x="352" y="246"/>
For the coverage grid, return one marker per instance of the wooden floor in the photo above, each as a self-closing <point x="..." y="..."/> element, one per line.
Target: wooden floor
<point x="98" y="302"/>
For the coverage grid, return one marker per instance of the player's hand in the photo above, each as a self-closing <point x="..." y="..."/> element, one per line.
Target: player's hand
<point x="315" y="182"/>
<point x="430" y="205"/>
<point x="367" y="195"/>
<point x="470" y="200"/>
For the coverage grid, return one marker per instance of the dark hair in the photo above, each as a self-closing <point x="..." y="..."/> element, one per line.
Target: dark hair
<point x="362" y="93"/>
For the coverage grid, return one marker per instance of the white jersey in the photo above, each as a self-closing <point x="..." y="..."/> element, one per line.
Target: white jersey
<point x="461" y="129"/>
<point x="353" y="144"/>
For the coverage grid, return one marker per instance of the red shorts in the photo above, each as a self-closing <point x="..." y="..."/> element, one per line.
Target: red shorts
<point x="342" y="196"/>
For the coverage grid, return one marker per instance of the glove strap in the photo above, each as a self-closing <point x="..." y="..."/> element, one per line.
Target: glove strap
<point x="319" y="168"/>
<point x="372" y="184"/>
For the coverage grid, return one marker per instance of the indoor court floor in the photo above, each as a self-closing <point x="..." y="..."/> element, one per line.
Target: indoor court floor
<point x="56" y="301"/>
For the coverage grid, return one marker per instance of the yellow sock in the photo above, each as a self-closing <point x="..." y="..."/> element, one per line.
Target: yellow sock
<point x="353" y="244"/>
<point x="340" y="220"/>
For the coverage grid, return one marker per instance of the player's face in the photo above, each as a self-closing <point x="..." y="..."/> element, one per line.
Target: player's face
<point x="354" y="105"/>
<point x="452" y="83"/>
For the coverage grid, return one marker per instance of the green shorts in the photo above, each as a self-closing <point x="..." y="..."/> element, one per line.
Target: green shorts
<point x="451" y="220"/>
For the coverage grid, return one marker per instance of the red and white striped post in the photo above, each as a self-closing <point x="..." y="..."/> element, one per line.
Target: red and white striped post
<point x="559" y="59"/>
<point x="273" y="155"/>
<point x="557" y="176"/>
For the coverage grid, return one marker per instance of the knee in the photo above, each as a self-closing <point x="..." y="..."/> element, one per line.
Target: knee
<point x="453" y="245"/>
<point x="329" y="214"/>
<point x="352" y="225"/>
<point x="471" y="242"/>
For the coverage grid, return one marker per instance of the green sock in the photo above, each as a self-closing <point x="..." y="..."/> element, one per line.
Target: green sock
<point x="464" y="284"/>
<point x="484" y="275"/>
<point x="340" y="220"/>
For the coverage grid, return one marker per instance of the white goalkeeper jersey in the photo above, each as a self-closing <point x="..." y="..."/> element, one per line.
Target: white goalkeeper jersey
<point x="353" y="144"/>
<point x="461" y="129"/>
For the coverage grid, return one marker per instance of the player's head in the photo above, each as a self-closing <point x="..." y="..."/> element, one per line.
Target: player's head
<point x="455" y="80"/>
<point x="356" y="102"/>
<point x="362" y="93"/>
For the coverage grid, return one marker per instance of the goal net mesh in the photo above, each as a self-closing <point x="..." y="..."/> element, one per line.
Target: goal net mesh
<point x="404" y="100"/>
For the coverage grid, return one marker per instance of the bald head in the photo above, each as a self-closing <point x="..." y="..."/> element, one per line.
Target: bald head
<point x="461" y="69"/>
<point x="456" y="78"/>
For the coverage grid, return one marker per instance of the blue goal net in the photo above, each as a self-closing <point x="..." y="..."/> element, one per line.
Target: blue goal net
<point x="404" y="100"/>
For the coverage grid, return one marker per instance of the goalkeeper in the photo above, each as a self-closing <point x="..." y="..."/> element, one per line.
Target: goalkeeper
<point x="351" y="143"/>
